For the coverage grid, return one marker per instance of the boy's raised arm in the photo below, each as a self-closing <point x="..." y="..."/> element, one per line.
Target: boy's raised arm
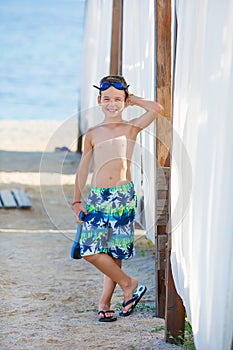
<point x="152" y="110"/>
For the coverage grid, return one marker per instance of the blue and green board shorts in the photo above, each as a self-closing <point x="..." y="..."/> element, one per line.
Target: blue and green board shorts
<point x="109" y="224"/>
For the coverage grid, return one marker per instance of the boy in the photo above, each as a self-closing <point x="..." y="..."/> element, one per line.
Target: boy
<point x="108" y="228"/>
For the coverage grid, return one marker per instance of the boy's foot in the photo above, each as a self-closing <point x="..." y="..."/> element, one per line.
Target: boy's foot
<point x="137" y="295"/>
<point x="107" y="316"/>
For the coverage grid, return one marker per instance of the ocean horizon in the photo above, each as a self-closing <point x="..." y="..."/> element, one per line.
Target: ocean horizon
<point x="41" y="53"/>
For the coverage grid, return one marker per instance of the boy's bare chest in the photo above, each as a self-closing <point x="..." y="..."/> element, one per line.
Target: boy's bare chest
<point x="109" y="144"/>
<point x="113" y="146"/>
<point x="113" y="137"/>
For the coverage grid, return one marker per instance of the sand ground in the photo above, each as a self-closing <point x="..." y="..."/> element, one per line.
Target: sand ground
<point x="48" y="300"/>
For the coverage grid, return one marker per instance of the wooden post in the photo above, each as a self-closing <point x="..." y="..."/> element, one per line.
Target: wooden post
<point x="79" y="136"/>
<point x="163" y="96"/>
<point x="169" y="303"/>
<point x="117" y="35"/>
<point x="174" y="310"/>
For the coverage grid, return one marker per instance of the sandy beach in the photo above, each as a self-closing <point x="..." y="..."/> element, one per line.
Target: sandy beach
<point x="49" y="301"/>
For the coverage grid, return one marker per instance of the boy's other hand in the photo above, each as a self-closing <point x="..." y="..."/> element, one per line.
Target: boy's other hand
<point x="77" y="209"/>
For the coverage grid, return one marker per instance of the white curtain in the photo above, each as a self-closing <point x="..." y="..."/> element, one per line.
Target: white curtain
<point x="202" y="170"/>
<point x="138" y="69"/>
<point x="95" y="60"/>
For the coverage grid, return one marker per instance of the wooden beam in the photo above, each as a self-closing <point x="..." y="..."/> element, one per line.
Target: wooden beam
<point x="163" y="96"/>
<point x="169" y="303"/>
<point x="175" y="312"/>
<point x="117" y="35"/>
<point x="79" y="137"/>
<point x="163" y="78"/>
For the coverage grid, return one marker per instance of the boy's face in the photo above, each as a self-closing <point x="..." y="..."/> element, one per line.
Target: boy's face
<point x="112" y="102"/>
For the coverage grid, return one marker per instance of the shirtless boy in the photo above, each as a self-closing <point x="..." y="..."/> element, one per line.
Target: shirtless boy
<point x="108" y="228"/>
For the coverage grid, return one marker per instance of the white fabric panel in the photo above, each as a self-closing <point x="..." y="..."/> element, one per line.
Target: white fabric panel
<point x="95" y="60"/>
<point x="202" y="170"/>
<point x="138" y="69"/>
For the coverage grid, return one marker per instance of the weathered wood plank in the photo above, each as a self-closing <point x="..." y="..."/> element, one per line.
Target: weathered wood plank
<point x="164" y="171"/>
<point x="162" y="187"/>
<point x="7" y="199"/>
<point x="21" y="198"/>
<point x="162" y="204"/>
<point x="162" y="212"/>
<point x="162" y="194"/>
<point x="163" y="179"/>
<point x="162" y="219"/>
<point x="162" y="242"/>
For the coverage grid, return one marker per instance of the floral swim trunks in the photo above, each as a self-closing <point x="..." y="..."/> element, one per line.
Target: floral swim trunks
<point x="109" y="224"/>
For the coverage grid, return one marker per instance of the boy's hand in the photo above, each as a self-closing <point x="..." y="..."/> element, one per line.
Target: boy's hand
<point x="133" y="100"/>
<point x="130" y="100"/>
<point x="77" y="207"/>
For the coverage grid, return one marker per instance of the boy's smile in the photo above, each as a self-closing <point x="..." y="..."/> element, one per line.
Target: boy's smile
<point x="112" y="102"/>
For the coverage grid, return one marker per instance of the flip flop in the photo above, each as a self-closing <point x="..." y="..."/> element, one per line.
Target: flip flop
<point x="107" y="318"/>
<point x="137" y="295"/>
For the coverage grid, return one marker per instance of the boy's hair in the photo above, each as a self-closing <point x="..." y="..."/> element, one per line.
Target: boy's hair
<point x="116" y="78"/>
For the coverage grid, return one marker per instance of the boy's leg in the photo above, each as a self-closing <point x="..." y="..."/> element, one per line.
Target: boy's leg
<point x="108" y="289"/>
<point x="108" y="267"/>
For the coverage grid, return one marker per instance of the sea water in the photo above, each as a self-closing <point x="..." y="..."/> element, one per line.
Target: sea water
<point x="40" y="59"/>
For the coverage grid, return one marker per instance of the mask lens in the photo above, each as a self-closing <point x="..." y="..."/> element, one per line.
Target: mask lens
<point x="118" y="85"/>
<point x="105" y="85"/>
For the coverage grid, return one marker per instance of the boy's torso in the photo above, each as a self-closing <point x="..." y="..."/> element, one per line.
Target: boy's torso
<point x="113" y="146"/>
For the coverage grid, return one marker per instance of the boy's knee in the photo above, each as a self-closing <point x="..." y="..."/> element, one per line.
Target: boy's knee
<point x="90" y="258"/>
<point x="93" y="257"/>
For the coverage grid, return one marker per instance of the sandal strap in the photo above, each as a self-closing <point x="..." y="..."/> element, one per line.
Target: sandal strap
<point x="101" y="312"/>
<point x="130" y="301"/>
<point x="106" y="312"/>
